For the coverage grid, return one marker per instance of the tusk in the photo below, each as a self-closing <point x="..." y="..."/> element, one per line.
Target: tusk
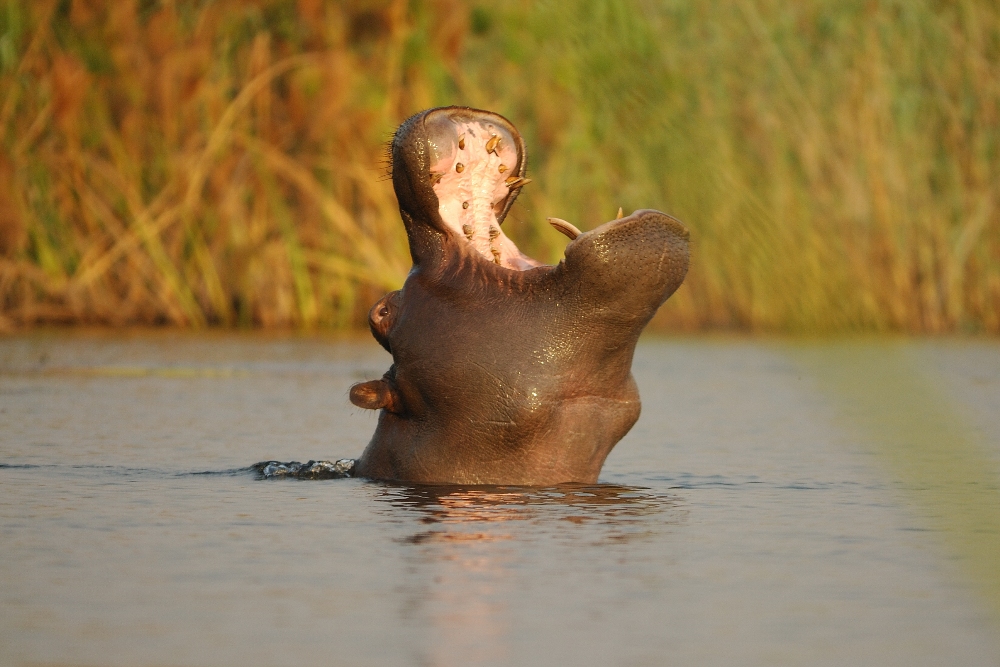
<point x="566" y="228"/>
<point x="517" y="182"/>
<point x="621" y="213"/>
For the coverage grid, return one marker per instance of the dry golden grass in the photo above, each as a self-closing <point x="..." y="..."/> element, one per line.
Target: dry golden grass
<point x="193" y="164"/>
<point x="185" y="167"/>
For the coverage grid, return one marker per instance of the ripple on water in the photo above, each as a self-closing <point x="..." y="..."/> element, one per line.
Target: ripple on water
<point x="339" y="469"/>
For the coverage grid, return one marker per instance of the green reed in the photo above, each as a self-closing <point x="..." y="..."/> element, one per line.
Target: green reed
<point x="197" y="163"/>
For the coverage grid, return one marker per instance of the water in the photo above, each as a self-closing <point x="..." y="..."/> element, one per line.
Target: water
<point x="751" y="517"/>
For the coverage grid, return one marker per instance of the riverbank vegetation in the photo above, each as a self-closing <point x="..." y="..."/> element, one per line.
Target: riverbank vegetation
<point x="222" y="163"/>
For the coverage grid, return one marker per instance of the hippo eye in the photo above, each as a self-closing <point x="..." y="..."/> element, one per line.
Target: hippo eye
<point x="383" y="312"/>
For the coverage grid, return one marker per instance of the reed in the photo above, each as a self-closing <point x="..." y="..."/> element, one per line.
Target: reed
<point x="195" y="164"/>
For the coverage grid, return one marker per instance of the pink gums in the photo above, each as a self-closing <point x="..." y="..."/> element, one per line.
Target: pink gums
<point x="471" y="185"/>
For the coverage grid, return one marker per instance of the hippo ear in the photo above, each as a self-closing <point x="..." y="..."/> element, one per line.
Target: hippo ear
<point x="376" y="395"/>
<point x="630" y="266"/>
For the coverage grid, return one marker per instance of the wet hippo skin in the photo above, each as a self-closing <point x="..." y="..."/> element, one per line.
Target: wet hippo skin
<point x="505" y="371"/>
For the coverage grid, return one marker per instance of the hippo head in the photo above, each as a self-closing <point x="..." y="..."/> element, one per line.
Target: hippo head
<point x="505" y="370"/>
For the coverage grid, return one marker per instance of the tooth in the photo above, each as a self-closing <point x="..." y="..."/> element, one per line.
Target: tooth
<point x="491" y="145"/>
<point x="468" y="231"/>
<point x="566" y="228"/>
<point x="621" y="213"/>
<point x="461" y="143"/>
<point x="517" y="182"/>
<point x="494" y="232"/>
<point x="496" y="255"/>
<point x="502" y="168"/>
<point x="460" y="167"/>
<point x="435" y="178"/>
<point x="465" y="204"/>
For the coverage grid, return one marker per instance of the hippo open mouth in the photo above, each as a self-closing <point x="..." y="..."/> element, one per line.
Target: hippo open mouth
<point x="476" y="171"/>
<point x="505" y="371"/>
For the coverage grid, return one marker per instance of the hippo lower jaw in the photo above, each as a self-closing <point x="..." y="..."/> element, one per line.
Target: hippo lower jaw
<point x="505" y="371"/>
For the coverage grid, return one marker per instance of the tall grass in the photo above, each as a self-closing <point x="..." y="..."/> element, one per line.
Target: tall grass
<point x="200" y="163"/>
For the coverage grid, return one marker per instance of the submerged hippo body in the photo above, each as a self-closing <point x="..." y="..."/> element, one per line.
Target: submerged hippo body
<point x="505" y="371"/>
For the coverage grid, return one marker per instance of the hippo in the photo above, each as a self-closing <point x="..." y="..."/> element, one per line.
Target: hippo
<point x="505" y="371"/>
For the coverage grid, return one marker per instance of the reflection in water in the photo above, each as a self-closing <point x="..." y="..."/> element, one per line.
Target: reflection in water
<point x="473" y="543"/>
<point x="609" y="505"/>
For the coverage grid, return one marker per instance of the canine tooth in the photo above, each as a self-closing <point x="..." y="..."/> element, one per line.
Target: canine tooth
<point x="491" y="145"/>
<point x="567" y="228"/>
<point x="621" y="213"/>
<point x="460" y="167"/>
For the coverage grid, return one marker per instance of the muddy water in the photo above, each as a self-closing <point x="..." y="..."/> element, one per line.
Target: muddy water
<point x="771" y="507"/>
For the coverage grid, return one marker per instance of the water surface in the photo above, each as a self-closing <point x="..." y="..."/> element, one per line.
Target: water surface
<point x="758" y="514"/>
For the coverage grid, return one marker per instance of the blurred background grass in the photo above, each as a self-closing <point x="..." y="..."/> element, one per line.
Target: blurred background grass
<point x="222" y="163"/>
